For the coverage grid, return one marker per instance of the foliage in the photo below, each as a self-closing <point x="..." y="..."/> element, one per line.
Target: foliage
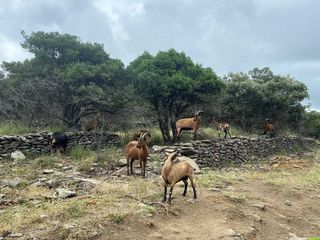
<point x="66" y="80"/>
<point x="311" y="124"/>
<point x="171" y="83"/>
<point x="250" y="98"/>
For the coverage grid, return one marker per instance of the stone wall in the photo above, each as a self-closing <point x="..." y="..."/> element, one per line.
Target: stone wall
<point x="218" y="152"/>
<point x="39" y="142"/>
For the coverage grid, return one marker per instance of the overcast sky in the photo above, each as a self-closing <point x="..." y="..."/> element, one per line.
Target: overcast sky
<point x="226" y="35"/>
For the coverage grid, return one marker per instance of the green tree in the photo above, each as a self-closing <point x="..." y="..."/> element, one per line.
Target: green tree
<point x="311" y="124"/>
<point x="171" y="83"/>
<point x="66" y="79"/>
<point x="250" y="98"/>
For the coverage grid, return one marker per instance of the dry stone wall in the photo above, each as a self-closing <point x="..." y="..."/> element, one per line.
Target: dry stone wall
<point x="39" y="142"/>
<point x="219" y="152"/>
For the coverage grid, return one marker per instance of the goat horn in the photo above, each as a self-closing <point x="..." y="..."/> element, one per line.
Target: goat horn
<point x="198" y="112"/>
<point x="143" y="134"/>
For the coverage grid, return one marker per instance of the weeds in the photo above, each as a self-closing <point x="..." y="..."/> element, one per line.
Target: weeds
<point x="117" y="218"/>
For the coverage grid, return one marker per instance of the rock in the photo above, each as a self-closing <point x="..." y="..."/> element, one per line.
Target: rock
<point x="52" y="183"/>
<point x="17" y="155"/>
<point x="230" y="233"/>
<point x="294" y="237"/>
<point x="261" y="206"/>
<point x="48" y="171"/>
<point x="155" y="235"/>
<point x="66" y="168"/>
<point x="64" y="193"/>
<point x="186" y="151"/>
<point x="13" y="182"/>
<point x="69" y="226"/>
<point x="157" y="148"/>
<point x="257" y="218"/>
<point x="15" y="235"/>
<point x="288" y="203"/>
<point x="214" y="189"/>
<point x="122" y="162"/>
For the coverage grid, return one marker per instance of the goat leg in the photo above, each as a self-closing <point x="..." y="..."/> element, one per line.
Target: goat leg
<point x="185" y="186"/>
<point x="170" y="194"/>
<point x="131" y="167"/>
<point x="164" y="194"/>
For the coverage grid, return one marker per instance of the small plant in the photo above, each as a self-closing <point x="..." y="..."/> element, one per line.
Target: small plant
<point x="156" y="137"/>
<point x="45" y="161"/>
<point x="80" y="153"/>
<point x="125" y="137"/>
<point x="76" y="209"/>
<point x="116" y="218"/>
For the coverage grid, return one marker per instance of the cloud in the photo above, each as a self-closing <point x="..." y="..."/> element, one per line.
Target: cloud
<point x="229" y="36"/>
<point x="116" y="12"/>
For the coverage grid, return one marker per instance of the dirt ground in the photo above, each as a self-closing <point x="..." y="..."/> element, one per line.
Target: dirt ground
<point x="244" y="210"/>
<point x="272" y="202"/>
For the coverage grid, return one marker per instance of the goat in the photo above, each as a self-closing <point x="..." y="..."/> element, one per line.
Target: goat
<point x="268" y="128"/>
<point x="176" y="172"/>
<point x="189" y="124"/>
<point x="137" y="150"/>
<point x="58" y="140"/>
<point x="92" y="123"/>
<point x="225" y="127"/>
<point x="138" y="133"/>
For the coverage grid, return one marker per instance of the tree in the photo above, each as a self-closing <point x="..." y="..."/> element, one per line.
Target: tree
<point x="171" y="83"/>
<point x="66" y="79"/>
<point x="261" y="94"/>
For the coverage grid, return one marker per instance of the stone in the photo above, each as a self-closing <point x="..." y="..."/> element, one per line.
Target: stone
<point x="294" y="237"/>
<point x="155" y="235"/>
<point x="18" y="155"/>
<point x="67" y="168"/>
<point x="261" y="206"/>
<point x="13" y="182"/>
<point x="15" y="235"/>
<point x="257" y="218"/>
<point x="288" y="203"/>
<point x="48" y="171"/>
<point x="122" y="162"/>
<point x="230" y="233"/>
<point x="157" y="148"/>
<point x="65" y="193"/>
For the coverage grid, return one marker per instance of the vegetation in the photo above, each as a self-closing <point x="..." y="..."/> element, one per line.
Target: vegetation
<point x="66" y="81"/>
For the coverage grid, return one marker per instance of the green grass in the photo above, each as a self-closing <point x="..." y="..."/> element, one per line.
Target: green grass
<point x="11" y="128"/>
<point x="16" y="128"/>
<point x="116" y="218"/>
<point x="76" y="208"/>
<point x="80" y="153"/>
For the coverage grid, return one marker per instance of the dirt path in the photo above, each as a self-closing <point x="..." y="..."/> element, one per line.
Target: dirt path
<point x="243" y="210"/>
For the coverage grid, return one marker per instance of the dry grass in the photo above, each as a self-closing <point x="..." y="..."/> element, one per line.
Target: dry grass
<point x="115" y="200"/>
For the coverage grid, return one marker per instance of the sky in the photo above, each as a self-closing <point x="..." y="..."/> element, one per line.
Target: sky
<point x="226" y="35"/>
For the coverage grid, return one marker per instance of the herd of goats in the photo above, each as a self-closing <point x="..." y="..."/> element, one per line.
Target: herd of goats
<point x="137" y="149"/>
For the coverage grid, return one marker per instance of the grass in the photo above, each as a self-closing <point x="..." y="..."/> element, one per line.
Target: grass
<point x="16" y="128"/>
<point x="114" y="200"/>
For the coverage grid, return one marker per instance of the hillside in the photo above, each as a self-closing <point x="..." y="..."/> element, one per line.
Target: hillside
<point x="273" y="200"/>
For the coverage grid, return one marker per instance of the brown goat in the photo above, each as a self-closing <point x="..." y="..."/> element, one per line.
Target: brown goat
<point x="137" y="150"/>
<point x="176" y="172"/>
<point x="268" y="128"/>
<point x="225" y="127"/>
<point x="92" y="123"/>
<point x="189" y="124"/>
